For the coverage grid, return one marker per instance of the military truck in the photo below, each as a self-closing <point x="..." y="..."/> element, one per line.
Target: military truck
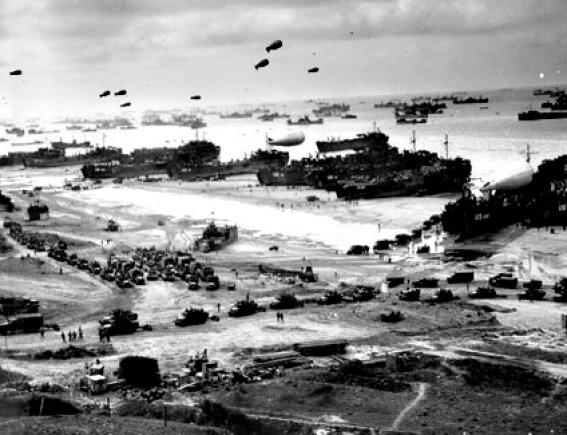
<point x="461" y="278"/>
<point x="286" y="301"/>
<point x="504" y="280"/>
<point x="483" y="293"/>
<point x="410" y="295"/>
<point x="532" y="294"/>
<point x="245" y="307"/>
<point x="560" y="288"/>
<point x="94" y="381"/>
<point x="426" y="282"/>
<point x="444" y="295"/>
<point x="192" y="316"/>
<point x="26" y="323"/>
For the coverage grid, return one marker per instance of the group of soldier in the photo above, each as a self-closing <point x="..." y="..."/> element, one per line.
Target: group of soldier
<point x="72" y="335"/>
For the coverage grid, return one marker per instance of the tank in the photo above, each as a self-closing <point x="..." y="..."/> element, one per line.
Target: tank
<point x="192" y="316"/>
<point x="244" y="307"/>
<point x="120" y="322"/>
<point x="286" y="301"/>
<point x="332" y="297"/>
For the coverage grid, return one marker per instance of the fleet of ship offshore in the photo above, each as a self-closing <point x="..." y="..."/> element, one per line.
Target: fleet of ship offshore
<point x="372" y="169"/>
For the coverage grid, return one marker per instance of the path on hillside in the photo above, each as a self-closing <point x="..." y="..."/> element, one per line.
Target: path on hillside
<point x="422" y="387"/>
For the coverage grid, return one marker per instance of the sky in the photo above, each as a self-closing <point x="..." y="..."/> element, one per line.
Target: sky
<point x="164" y="51"/>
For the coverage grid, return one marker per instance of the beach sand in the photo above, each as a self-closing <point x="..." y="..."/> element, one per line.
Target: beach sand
<point x="309" y="233"/>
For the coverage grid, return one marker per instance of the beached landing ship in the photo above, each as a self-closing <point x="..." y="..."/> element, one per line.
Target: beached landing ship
<point x="257" y="161"/>
<point x="215" y="237"/>
<point x="46" y="158"/>
<point x="375" y="171"/>
<point x="144" y="162"/>
<point x="537" y="200"/>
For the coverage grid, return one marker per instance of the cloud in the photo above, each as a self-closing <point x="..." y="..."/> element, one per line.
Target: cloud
<point x="162" y="46"/>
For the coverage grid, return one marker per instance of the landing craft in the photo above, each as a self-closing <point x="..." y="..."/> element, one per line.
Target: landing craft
<point x="195" y="97"/>
<point x="17" y="72"/>
<point x="125" y="104"/>
<point x="274" y="45"/>
<point x="104" y="94"/>
<point x="313" y="70"/>
<point x="288" y="140"/>
<point x="262" y="64"/>
<point x="121" y="92"/>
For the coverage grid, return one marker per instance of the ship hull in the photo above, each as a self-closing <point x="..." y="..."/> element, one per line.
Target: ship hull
<point x="375" y="139"/>
<point x="283" y="177"/>
<point x="123" y="171"/>
<point x="535" y="116"/>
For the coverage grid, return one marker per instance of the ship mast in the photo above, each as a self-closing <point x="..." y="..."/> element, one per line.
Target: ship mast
<point x="528" y="154"/>
<point x="413" y="141"/>
<point x="446" y="143"/>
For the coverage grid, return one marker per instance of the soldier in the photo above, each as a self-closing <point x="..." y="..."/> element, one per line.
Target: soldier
<point x="80" y="334"/>
<point x="63" y="337"/>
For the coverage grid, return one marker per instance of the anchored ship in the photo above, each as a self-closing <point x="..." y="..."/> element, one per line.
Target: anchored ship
<point x="304" y="120"/>
<point x="60" y="145"/>
<point x="362" y="140"/>
<point x="470" y="100"/>
<point x="236" y="115"/>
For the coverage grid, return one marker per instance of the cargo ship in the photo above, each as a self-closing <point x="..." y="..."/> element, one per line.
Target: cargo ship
<point x="255" y="163"/>
<point x="61" y="146"/>
<point x="534" y="115"/>
<point x="362" y="140"/>
<point x="46" y="158"/>
<point x="215" y="237"/>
